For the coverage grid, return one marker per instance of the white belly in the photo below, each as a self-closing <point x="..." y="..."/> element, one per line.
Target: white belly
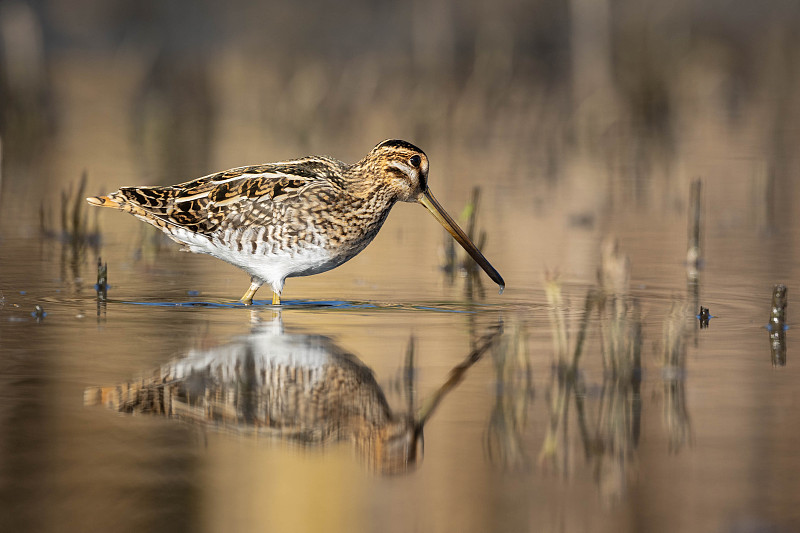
<point x="270" y="265"/>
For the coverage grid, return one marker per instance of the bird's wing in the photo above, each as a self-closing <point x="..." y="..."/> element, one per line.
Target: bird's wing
<point x="248" y="195"/>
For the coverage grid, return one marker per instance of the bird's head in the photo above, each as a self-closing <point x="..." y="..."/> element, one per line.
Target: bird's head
<point x="401" y="167"/>
<point x="401" y="170"/>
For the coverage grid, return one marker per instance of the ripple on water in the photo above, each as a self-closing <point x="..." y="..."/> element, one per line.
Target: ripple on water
<point x="440" y="307"/>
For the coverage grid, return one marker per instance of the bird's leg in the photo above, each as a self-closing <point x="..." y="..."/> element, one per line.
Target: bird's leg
<point x="276" y="298"/>
<point x="247" y="299"/>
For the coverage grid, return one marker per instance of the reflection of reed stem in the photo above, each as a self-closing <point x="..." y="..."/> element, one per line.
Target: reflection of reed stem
<point x="504" y="439"/>
<point x="558" y="417"/>
<point x="676" y="414"/>
<point x="610" y="441"/>
<point x="566" y="375"/>
<point x="675" y="336"/>
<point x="408" y="376"/>
<point x="592" y="298"/>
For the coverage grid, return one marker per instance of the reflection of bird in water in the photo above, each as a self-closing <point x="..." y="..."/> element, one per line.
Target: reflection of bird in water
<point x="293" y="218"/>
<point x="303" y="388"/>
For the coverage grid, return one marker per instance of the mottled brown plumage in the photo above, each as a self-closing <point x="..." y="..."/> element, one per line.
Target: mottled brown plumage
<point x="292" y="218"/>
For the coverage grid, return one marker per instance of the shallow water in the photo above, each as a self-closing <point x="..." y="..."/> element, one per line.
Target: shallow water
<point x="706" y="446"/>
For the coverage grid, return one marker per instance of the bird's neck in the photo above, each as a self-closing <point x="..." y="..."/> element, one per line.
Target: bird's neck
<point x="360" y="184"/>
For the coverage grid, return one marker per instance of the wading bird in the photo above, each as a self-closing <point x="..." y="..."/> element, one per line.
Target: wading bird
<point x="291" y="218"/>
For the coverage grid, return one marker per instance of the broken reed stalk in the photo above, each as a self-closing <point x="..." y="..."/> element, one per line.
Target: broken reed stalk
<point x="693" y="252"/>
<point x="780" y="299"/>
<point x="777" y="325"/>
<point x="102" y="273"/>
<point x="102" y="280"/>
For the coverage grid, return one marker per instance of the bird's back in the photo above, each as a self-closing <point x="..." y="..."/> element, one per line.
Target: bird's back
<point x="247" y="195"/>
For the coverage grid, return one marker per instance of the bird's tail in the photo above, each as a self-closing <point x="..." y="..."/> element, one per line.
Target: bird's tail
<point x="121" y="199"/>
<point x="113" y="200"/>
<point x="117" y="200"/>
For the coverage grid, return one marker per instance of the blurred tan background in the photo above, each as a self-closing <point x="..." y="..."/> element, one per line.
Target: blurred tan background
<point x="496" y="92"/>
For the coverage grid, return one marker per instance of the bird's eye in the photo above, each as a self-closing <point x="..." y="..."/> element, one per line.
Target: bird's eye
<point x="415" y="160"/>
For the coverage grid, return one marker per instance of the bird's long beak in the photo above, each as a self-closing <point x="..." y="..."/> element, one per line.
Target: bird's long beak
<point x="458" y="234"/>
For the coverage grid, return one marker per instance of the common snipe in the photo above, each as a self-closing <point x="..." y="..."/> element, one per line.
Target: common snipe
<point x="291" y="218"/>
